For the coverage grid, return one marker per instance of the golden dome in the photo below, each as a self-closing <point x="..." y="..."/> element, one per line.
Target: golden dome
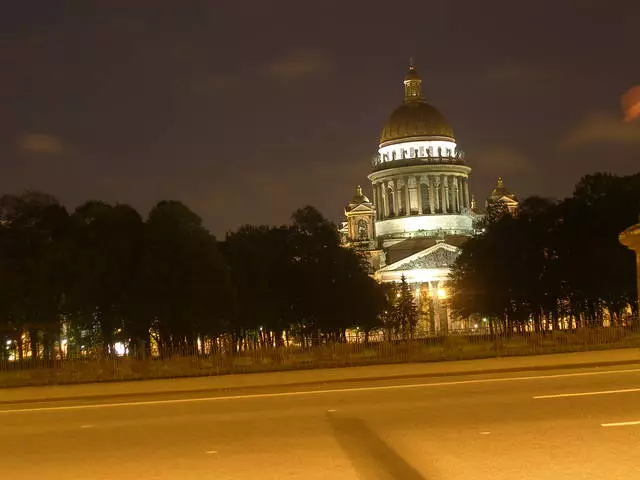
<point x="418" y="119"/>
<point x="415" y="117"/>
<point x="359" y="197"/>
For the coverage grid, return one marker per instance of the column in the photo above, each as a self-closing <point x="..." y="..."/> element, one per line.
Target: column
<point x="385" y="200"/>
<point x="407" y="196"/>
<point x="376" y="199"/>
<point x="452" y="193"/>
<point x="456" y="192"/>
<point x="396" y="198"/>
<point x="430" y="192"/>
<point x="445" y="195"/>
<point x="436" y="191"/>
<point x="467" y="198"/>
<point x="419" y="193"/>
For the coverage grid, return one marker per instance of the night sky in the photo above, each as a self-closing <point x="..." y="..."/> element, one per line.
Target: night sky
<point x="248" y="110"/>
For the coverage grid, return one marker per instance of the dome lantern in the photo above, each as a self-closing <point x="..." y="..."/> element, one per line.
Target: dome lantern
<point x="412" y="86"/>
<point x="415" y="119"/>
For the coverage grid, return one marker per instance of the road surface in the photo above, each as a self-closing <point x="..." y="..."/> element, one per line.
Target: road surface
<point x="564" y="424"/>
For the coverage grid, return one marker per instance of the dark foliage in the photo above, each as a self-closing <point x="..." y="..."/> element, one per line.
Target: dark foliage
<point x="102" y="276"/>
<point x="554" y="260"/>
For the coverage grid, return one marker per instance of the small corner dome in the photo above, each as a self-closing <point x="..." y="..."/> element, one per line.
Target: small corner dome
<point x="359" y="197"/>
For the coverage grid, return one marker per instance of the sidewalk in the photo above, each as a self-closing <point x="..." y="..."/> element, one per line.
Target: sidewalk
<point x="323" y="376"/>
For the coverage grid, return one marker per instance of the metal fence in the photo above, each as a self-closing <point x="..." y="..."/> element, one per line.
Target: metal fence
<point x="460" y="346"/>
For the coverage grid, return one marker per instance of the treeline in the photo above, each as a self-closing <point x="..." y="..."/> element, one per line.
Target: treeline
<point x="102" y="275"/>
<point x="554" y="264"/>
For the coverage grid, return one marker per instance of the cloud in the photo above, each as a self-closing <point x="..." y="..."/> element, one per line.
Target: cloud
<point x="299" y="64"/>
<point x="270" y="196"/>
<point x="601" y="128"/>
<point x="502" y="160"/>
<point x="40" y="144"/>
<point x="631" y="104"/>
<point x="518" y="74"/>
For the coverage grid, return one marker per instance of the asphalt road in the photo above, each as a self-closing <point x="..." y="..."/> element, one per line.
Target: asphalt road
<point x="565" y="424"/>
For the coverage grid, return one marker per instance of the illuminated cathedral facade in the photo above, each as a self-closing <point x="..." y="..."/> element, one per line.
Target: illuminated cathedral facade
<point x="420" y="211"/>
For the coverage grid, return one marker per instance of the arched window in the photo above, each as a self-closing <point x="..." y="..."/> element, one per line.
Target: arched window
<point x="362" y="230"/>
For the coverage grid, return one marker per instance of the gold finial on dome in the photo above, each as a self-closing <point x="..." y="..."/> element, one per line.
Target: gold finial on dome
<point x="359" y="190"/>
<point x="412" y="85"/>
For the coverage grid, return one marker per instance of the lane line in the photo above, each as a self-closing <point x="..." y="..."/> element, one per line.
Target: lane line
<point x="587" y="394"/>
<point x="620" y="424"/>
<point x="315" y="392"/>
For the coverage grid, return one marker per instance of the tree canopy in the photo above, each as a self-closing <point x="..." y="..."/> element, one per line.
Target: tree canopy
<point x="103" y="278"/>
<point x="553" y="260"/>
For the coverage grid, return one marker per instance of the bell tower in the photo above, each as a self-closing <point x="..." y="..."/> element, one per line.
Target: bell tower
<point x="361" y="214"/>
<point x="359" y="230"/>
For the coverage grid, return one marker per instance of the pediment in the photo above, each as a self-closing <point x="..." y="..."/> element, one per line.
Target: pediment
<point x="362" y="208"/>
<point x="441" y="255"/>
<point x="508" y="200"/>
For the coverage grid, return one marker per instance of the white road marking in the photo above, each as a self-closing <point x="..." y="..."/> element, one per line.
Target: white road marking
<point x="331" y="410"/>
<point x="587" y="394"/>
<point x="86" y="426"/>
<point x="485" y="433"/>
<point x="211" y="451"/>
<point x="316" y="392"/>
<point x="620" y="424"/>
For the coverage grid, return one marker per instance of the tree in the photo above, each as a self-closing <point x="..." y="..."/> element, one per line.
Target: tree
<point x="496" y="210"/>
<point x="106" y="246"/>
<point x="260" y="263"/>
<point x="406" y="311"/>
<point x="555" y="260"/>
<point x="401" y="316"/>
<point x="34" y="267"/>
<point x="182" y="280"/>
<point x="332" y="290"/>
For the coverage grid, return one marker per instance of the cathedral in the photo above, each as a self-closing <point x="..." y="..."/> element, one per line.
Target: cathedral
<point x="420" y="210"/>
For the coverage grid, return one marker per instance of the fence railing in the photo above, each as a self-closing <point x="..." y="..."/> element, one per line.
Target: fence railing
<point x="185" y="363"/>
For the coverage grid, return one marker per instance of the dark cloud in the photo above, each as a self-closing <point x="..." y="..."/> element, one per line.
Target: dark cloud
<point x="299" y="64"/>
<point x="40" y="144"/>
<point x="520" y="74"/>
<point x="503" y="161"/>
<point x="601" y="128"/>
